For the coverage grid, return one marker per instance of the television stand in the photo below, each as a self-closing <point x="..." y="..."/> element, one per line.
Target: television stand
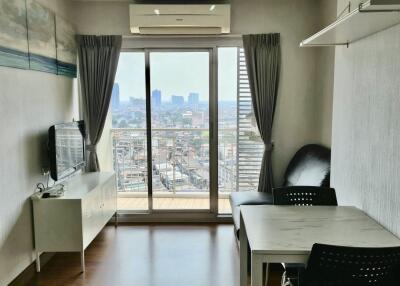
<point x="70" y="223"/>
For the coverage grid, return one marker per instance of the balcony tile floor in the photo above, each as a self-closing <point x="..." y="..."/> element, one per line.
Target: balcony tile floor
<point x="128" y="204"/>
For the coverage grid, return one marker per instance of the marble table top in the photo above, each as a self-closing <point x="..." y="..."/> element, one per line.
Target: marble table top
<point x="292" y="230"/>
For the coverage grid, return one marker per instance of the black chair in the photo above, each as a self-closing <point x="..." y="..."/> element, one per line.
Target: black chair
<point x="301" y="196"/>
<point x="352" y="266"/>
<point x="304" y="196"/>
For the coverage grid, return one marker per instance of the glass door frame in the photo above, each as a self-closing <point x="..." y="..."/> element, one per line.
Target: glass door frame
<point x="213" y="133"/>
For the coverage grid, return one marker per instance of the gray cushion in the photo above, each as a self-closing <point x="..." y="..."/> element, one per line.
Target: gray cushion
<point x="246" y="198"/>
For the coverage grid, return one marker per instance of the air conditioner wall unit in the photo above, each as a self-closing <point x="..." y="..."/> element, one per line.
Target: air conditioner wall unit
<point x="179" y="19"/>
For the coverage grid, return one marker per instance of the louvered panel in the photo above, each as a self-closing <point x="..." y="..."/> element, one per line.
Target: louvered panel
<point x="250" y="150"/>
<point x="256" y="162"/>
<point x="250" y="145"/>
<point x="251" y="155"/>
<point x="246" y="150"/>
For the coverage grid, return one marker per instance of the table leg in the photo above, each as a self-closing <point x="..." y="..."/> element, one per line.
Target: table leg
<point x="257" y="270"/>
<point x="243" y="253"/>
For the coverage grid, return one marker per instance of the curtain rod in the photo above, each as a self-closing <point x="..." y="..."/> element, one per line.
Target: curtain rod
<point x="233" y="36"/>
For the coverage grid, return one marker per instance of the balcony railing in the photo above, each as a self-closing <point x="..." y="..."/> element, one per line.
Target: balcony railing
<point x="180" y="160"/>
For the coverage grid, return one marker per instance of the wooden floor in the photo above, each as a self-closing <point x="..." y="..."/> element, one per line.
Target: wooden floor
<point x="152" y="255"/>
<point x="173" y="203"/>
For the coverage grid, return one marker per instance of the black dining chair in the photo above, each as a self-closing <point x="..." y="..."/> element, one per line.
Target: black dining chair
<point x="301" y="196"/>
<point x="304" y="196"/>
<point x="330" y="265"/>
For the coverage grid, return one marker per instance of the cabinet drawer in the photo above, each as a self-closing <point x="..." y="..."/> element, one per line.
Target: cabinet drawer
<point x="57" y="225"/>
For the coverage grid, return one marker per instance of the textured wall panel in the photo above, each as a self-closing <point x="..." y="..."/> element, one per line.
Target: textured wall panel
<point x="366" y="127"/>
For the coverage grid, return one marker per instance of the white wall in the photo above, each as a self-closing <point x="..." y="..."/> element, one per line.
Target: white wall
<point x="304" y="104"/>
<point x="325" y="75"/>
<point x="366" y="126"/>
<point x="304" y="95"/>
<point x="30" y="102"/>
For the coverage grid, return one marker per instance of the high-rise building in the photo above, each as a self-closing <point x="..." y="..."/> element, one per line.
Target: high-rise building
<point x="177" y="100"/>
<point x="156" y="98"/>
<point x="115" y="96"/>
<point x="193" y="99"/>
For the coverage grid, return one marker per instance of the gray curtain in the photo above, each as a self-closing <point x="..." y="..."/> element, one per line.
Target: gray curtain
<point x="98" y="60"/>
<point x="263" y="59"/>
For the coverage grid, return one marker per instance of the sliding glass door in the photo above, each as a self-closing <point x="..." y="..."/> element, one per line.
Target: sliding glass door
<point x="180" y="141"/>
<point x="183" y="128"/>
<point x="129" y="135"/>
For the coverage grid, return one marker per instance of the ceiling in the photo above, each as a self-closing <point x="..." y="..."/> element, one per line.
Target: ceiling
<point x="161" y="1"/>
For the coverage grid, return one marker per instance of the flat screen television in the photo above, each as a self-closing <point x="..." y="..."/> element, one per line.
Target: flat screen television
<point x="66" y="149"/>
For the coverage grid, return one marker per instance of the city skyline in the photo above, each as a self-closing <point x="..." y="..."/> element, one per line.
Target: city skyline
<point x="191" y="68"/>
<point x="191" y="99"/>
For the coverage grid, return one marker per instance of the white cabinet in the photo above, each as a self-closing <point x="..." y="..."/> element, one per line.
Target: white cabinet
<point x="71" y="222"/>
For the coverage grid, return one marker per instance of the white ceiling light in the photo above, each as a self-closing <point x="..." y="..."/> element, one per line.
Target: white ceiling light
<point x="156" y="11"/>
<point x="212" y="8"/>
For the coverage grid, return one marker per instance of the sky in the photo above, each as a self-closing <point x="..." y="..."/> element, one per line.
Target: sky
<point x="177" y="73"/>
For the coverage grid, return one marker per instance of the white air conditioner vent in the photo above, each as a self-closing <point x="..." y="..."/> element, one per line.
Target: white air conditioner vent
<point x="179" y="19"/>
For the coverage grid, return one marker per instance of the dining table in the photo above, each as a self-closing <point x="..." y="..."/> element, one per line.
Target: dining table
<point x="286" y="234"/>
